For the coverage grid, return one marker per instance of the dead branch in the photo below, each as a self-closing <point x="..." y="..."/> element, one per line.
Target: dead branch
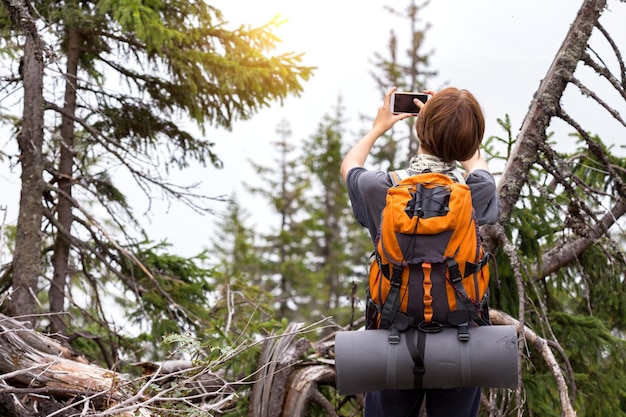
<point x="44" y="373"/>
<point x="546" y="104"/>
<point x="29" y="359"/>
<point x="570" y="250"/>
<point x="304" y="389"/>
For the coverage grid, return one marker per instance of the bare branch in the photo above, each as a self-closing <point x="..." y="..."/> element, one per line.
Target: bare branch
<point x="593" y="95"/>
<point x="617" y="52"/>
<point x="144" y="180"/>
<point x="546" y="104"/>
<point x="570" y="250"/>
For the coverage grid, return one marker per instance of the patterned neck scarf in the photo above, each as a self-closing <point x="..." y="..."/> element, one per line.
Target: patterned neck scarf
<point x="430" y="163"/>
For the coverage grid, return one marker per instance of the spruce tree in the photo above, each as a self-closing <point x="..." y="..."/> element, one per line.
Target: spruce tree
<point x="407" y="72"/>
<point x="339" y="244"/>
<point x="285" y="261"/>
<point x="131" y="88"/>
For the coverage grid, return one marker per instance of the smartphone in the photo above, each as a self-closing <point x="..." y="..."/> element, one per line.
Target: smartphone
<point x="402" y="102"/>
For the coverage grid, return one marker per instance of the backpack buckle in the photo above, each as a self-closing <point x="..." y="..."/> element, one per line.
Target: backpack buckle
<point x="455" y="272"/>
<point x="394" y="336"/>
<point x="460" y="319"/>
<point x="396" y="276"/>
<point x="463" y="332"/>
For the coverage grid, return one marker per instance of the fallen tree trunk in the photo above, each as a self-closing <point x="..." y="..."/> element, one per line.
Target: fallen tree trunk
<point x="32" y="359"/>
<point x="279" y="355"/>
<point x="44" y="373"/>
<point x="41" y="377"/>
<point x="304" y="390"/>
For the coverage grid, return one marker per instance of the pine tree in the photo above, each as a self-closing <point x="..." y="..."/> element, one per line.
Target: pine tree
<point x="129" y="74"/>
<point x="285" y="262"/>
<point x="339" y="244"/>
<point x="237" y="261"/>
<point x="580" y="306"/>
<point x="408" y="73"/>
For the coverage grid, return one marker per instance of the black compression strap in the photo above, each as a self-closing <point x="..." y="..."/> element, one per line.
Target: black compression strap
<point x="471" y="268"/>
<point x="392" y="304"/>
<point x="416" y="343"/>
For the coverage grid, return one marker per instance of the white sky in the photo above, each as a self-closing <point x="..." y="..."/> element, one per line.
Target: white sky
<point x="499" y="50"/>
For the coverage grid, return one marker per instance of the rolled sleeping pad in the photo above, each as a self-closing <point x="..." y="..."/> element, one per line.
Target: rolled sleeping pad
<point x="366" y="361"/>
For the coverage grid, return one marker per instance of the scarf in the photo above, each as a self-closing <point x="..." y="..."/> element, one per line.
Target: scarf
<point x="430" y="163"/>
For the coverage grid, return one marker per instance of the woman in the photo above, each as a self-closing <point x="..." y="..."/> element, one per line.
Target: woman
<point x="450" y="127"/>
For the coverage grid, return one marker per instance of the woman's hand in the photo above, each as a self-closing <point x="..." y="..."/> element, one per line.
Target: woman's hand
<point x="385" y="119"/>
<point x="419" y="103"/>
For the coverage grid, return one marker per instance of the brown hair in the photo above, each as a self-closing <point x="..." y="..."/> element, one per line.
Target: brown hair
<point x="451" y="125"/>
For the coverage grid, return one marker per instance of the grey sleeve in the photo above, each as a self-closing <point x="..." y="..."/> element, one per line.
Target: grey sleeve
<point x="367" y="191"/>
<point x="484" y="196"/>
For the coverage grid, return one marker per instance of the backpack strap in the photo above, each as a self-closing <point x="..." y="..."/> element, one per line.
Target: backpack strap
<point x="416" y="344"/>
<point x="471" y="268"/>
<point x="391" y="306"/>
<point x="465" y="308"/>
<point x="392" y="356"/>
<point x="457" y="175"/>
<point x="398" y="176"/>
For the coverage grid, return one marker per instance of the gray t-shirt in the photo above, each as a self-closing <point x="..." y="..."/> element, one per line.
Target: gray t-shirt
<point x="368" y="191"/>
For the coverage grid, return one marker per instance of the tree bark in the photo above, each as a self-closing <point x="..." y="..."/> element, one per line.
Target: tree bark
<point x="565" y="253"/>
<point x="278" y="356"/>
<point x="64" y="182"/>
<point x="304" y="390"/>
<point x="34" y="363"/>
<point x="27" y="257"/>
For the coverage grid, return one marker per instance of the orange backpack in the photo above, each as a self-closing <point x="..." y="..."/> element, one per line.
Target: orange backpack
<point x="430" y="269"/>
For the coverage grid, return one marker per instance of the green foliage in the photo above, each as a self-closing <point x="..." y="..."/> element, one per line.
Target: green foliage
<point x="284" y="265"/>
<point x="339" y="245"/>
<point x="498" y="149"/>
<point x="541" y="394"/>
<point x="141" y="67"/>
<point x="599" y="288"/>
<point x="582" y="303"/>
<point x="598" y="358"/>
<point x="503" y="292"/>
<point x="171" y="288"/>
<point x="136" y="128"/>
<point x="243" y="311"/>
<point x="8" y="47"/>
<point x="171" y="295"/>
<point x="143" y="19"/>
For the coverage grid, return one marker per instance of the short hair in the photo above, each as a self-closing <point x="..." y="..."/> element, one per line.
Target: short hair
<point x="451" y="125"/>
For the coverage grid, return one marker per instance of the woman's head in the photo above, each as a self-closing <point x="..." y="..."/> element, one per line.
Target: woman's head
<point x="451" y="125"/>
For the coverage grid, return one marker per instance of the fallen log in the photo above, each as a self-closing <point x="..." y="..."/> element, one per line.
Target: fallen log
<point x="304" y="390"/>
<point x="40" y="370"/>
<point x="39" y="376"/>
<point x="275" y="364"/>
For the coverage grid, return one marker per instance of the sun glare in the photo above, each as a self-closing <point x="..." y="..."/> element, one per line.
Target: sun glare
<point x="302" y="25"/>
